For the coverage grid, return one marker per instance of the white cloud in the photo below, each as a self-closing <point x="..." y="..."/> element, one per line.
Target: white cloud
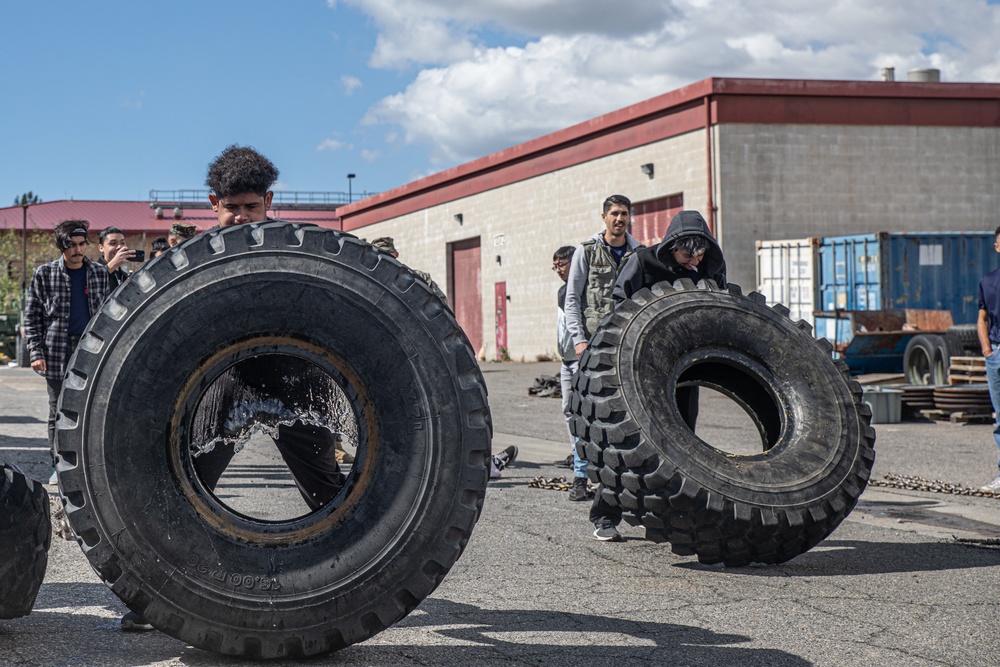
<point x="136" y="102"/>
<point x="331" y="145"/>
<point x="369" y="156"/>
<point x="560" y="67"/>
<point x="350" y="84"/>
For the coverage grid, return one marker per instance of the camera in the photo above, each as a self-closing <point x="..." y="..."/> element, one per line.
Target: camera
<point x="140" y="256"/>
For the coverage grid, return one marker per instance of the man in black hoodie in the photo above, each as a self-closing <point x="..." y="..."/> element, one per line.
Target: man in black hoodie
<point x="688" y="250"/>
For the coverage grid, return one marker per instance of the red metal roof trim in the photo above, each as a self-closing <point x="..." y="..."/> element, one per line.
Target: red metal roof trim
<point x="677" y="112"/>
<point x="132" y="217"/>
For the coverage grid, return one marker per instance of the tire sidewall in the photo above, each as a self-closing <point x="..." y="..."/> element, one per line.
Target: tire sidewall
<point x="810" y="395"/>
<point x="349" y="308"/>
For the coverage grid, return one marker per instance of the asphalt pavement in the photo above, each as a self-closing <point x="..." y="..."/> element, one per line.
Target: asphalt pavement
<point x="909" y="578"/>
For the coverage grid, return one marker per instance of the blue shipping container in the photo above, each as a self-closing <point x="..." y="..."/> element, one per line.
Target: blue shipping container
<point x="935" y="270"/>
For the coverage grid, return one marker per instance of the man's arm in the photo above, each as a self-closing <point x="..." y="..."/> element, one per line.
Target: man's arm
<point x="122" y="255"/>
<point x="629" y="281"/>
<point x="34" y="323"/>
<point x="983" y="329"/>
<point x="576" y="284"/>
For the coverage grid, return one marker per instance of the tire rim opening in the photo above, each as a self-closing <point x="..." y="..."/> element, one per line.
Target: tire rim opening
<point x="275" y="437"/>
<point x="706" y="396"/>
<point x="920" y="368"/>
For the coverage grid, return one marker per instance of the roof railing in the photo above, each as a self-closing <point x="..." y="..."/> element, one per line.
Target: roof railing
<point x="283" y="199"/>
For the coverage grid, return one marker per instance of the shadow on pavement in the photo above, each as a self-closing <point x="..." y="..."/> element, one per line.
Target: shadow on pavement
<point x="836" y="558"/>
<point x="553" y="637"/>
<point x="20" y="419"/>
<point x="60" y="631"/>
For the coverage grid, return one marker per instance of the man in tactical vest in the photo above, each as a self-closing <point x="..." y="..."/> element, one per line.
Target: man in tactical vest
<point x="592" y="275"/>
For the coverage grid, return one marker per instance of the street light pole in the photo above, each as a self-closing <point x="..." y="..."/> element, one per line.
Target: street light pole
<point x="24" y="254"/>
<point x="350" y="195"/>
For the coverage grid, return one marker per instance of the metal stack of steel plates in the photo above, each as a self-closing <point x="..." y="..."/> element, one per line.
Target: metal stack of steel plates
<point x="917" y="397"/>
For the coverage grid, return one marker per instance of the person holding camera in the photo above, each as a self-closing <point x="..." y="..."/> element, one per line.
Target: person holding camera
<point x="115" y="253"/>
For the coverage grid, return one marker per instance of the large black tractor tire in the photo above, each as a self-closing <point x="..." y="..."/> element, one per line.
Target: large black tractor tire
<point x="816" y="439"/>
<point x="207" y="574"/>
<point x="921" y="360"/>
<point x="25" y="536"/>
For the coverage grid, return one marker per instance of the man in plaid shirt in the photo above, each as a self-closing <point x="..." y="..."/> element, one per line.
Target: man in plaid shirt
<point x="63" y="296"/>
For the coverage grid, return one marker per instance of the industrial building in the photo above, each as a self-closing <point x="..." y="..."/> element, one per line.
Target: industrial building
<point x="760" y="158"/>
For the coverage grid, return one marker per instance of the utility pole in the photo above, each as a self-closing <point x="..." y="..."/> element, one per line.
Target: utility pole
<point x="350" y="196"/>
<point x="24" y="256"/>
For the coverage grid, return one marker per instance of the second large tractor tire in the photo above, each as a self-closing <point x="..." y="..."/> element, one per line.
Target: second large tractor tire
<point x="817" y="445"/>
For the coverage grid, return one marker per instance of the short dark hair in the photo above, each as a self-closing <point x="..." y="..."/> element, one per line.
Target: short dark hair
<point x="693" y="243"/>
<point x="160" y="244"/>
<point x="997" y="232"/>
<point x="565" y="252"/>
<point x="240" y="169"/>
<point x="621" y="200"/>
<point x="64" y="230"/>
<point x="108" y="230"/>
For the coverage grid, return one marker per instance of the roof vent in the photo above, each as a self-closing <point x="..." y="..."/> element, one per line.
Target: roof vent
<point x="159" y="212"/>
<point x="888" y="73"/>
<point x="924" y="75"/>
<point x="178" y="213"/>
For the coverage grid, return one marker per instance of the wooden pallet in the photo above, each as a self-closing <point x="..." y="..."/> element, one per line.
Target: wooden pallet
<point x="967" y="370"/>
<point x="965" y="378"/>
<point x="978" y="362"/>
<point x="961" y="417"/>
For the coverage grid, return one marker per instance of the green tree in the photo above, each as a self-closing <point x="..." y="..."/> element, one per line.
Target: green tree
<point x="27" y="199"/>
<point x="39" y="252"/>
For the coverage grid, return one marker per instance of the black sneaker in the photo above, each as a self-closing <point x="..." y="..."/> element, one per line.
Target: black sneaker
<point x="579" y="490"/>
<point x="133" y="622"/>
<point x="565" y="463"/>
<point x="505" y="458"/>
<point x="605" y="531"/>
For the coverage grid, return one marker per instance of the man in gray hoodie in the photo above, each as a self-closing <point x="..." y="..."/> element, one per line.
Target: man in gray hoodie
<point x="592" y="275"/>
<point x="688" y="250"/>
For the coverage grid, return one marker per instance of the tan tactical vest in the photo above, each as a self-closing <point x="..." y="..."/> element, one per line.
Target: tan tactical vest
<point x="600" y="282"/>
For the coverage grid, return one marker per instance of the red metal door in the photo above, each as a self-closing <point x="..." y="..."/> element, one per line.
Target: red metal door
<point x="500" y="293"/>
<point x="465" y="289"/>
<point x="651" y="218"/>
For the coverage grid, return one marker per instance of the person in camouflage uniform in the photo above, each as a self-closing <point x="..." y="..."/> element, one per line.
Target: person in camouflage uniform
<point x="386" y="245"/>
<point x="181" y="232"/>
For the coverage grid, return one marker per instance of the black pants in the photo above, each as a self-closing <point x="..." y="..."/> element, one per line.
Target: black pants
<point x="308" y="451"/>
<point x="54" y="388"/>
<point x="687" y="403"/>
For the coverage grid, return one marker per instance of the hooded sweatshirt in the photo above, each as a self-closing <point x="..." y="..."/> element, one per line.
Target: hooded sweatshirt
<point x="649" y="266"/>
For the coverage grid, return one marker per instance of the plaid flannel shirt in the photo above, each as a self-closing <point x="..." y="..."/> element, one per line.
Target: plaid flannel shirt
<point x="46" y="312"/>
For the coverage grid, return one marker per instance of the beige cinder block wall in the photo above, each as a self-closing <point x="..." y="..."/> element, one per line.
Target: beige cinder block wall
<point x="525" y="222"/>
<point x="794" y="181"/>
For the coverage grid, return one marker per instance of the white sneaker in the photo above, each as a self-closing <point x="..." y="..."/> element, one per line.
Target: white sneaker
<point x="992" y="487"/>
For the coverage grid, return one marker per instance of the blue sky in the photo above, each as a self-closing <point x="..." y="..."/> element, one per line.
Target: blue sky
<point x="108" y="100"/>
